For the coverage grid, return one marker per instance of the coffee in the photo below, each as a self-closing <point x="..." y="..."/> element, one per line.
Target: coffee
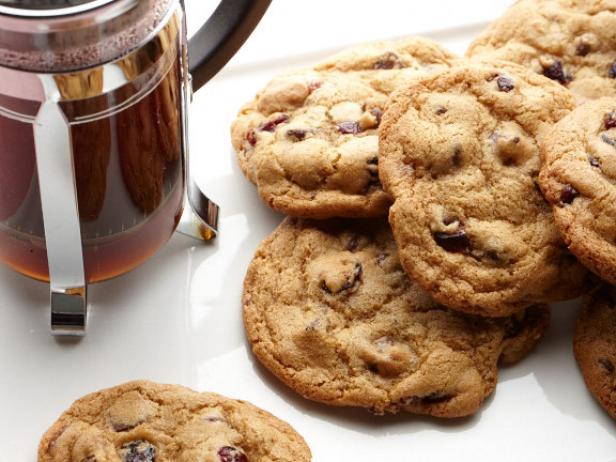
<point x="127" y="148"/>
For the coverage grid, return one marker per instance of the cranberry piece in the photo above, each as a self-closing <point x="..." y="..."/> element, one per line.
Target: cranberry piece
<point x="297" y="134"/>
<point x="251" y="137"/>
<point x="457" y="242"/>
<point x="231" y="454"/>
<point x="314" y="86"/>
<point x="505" y="83"/>
<point x="610" y="120"/>
<point x="271" y="125"/>
<point x="594" y="162"/>
<point x="388" y="61"/>
<point x="349" y="128"/>
<point x="555" y="71"/>
<point x="568" y="194"/>
<point x="607" y="365"/>
<point x="612" y="71"/>
<point x="138" y="451"/>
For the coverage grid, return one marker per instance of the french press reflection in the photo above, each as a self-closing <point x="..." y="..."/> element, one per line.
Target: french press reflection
<point x="93" y="136"/>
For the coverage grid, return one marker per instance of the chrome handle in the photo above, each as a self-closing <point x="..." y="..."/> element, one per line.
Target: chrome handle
<point x="56" y="174"/>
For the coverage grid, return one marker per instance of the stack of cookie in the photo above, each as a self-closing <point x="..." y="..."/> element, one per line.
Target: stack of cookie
<point x="497" y="175"/>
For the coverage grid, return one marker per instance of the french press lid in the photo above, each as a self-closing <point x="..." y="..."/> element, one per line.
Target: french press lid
<point x="48" y="8"/>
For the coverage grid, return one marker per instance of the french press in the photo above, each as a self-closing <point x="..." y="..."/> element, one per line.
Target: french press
<point x="94" y="173"/>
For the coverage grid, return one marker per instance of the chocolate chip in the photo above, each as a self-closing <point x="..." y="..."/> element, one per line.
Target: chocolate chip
<point x="357" y="273"/>
<point x="296" y="134"/>
<point x="457" y="156"/>
<point x="505" y="83"/>
<point x="271" y="125"/>
<point x="457" y="242"/>
<point x="555" y="71"/>
<point x="441" y="111"/>
<point x="612" y="71"/>
<point x="353" y="243"/>
<point x="349" y="283"/>
<point x="378" y="114"/>
<point x="138" y="451"/>
<point x="433" y="398"/>
<point x="609" y="140"/>
<point x="594" y="162"/>
<point x="89" y="459"/>
<point x="124" y="427"/>
<point x="381" y="257"/>
<point x="251" y="137"/>
<point x="609" y="121"/>
<point x="388" y="61"/>
<point x="568" y="194"/>
<point x="582" y="49"/>
<point x="607" y="365"/>
<point x="231" y="454"/>
<point x="373" y="161"/>
<point x="349" y="128"/>
<point x="213" y="418"/>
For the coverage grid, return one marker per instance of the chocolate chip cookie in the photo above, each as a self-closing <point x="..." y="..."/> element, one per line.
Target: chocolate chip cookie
<point x="330" y="311"/>
<point x="309" y="139"/>
<point x="459" y="155"/>
<point x="578" y="179"/>
<point x="148" y="422"/>
<point x="569" y="41"/>
<point x="595" y="347"/>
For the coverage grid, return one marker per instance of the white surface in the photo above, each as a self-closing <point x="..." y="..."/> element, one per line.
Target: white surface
<point x="177" y="319"/>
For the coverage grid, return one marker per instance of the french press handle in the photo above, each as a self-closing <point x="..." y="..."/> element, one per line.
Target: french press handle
<point x="221" y="36"/>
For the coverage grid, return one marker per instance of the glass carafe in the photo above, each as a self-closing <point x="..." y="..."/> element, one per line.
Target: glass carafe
<point x="93" y="109"/>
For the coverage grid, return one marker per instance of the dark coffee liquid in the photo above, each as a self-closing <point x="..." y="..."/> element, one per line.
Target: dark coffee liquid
<point x="129" y="178"/>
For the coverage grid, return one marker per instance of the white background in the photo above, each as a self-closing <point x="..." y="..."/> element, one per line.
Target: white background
<point x="177" y="319"/>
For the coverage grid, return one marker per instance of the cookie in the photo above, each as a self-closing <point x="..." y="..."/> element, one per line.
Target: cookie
<point x="578" y="179"/>
<point x="309" y="140"/>
<point x="148" y="422"/>
<point x="329" y="310"/>
<point x="569" y="41"/>
<point x="459" y="155"/>
<point x="595" y="347"/>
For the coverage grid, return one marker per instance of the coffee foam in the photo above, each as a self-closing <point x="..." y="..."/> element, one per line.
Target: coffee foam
<point x="83" y="48"/>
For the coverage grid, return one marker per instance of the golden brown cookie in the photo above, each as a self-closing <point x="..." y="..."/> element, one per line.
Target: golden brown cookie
<point x="329" y="310"/>
<point x="569" y="41"/>
<point x="595" y="346"/>
<point x="309" y="139"/>
<point x="459" y="155"/>
<point x="578" y="178"/>
<point x="148" y="422"/>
